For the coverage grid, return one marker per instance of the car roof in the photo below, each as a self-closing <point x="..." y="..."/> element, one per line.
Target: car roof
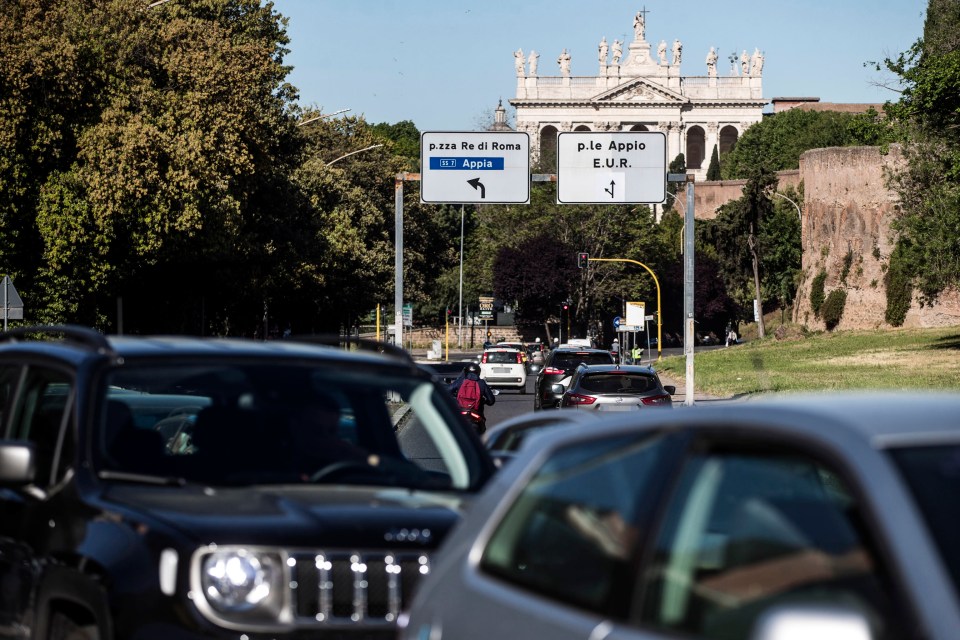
<point x="874" y="419"/>
<point x="498" y="348"/>
<point x="591" y="369"/>
<point x="80" y="343"/>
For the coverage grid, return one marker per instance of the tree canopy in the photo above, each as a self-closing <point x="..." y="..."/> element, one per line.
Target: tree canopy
<point x="928" y="115"/>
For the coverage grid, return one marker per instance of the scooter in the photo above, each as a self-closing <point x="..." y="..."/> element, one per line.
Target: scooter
<point x="477" y="421"/>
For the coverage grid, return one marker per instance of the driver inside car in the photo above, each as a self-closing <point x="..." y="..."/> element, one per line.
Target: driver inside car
<point x="314" y="429"/>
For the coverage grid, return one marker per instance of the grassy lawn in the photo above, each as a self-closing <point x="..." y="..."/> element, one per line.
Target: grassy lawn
<point x="892" y="359"/>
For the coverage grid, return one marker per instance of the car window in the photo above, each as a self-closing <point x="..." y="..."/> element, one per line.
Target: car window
<point x="9" y="376"/>
<point x="572" y="530"/>
<point x="40" y="413"/>
<point x="501" y="357"/>
<point x="746" y="532"/>
<point x="261" y="423"/>
<point x="933" y="472"/>
<point x="617" y="383"/>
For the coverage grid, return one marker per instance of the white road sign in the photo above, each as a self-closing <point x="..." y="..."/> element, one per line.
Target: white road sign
<point x="610" y="168"/>
<point x="475" y="167"/>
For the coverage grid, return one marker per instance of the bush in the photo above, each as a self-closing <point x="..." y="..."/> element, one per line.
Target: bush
<point x="833" y="308"/>
<point x="899" y="286"/>
<point x="847" y="263"/>
<point x="816" y="293"/>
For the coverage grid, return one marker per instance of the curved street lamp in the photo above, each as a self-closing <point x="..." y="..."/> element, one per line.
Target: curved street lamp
<point x="321" y="116"/>
<point x="799" y="215"/>
<point x="346" y="155"/>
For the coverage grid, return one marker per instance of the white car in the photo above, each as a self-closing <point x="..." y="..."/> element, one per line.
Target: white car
<point x="504" y="368"/>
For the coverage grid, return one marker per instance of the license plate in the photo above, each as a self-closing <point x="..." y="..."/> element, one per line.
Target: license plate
<point x="618" y="407"/>
<point x="501" y="369"/>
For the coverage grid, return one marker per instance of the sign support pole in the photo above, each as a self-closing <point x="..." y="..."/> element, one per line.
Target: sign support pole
<point x="688" y="289"/>
<point x="398" y="260"/>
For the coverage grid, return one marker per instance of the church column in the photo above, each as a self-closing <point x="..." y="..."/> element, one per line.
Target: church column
<point x="712" y="139"/>
<point x="675" y="144"/>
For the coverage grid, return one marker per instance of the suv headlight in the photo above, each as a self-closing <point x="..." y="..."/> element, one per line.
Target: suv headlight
<point x="243" y="583"/>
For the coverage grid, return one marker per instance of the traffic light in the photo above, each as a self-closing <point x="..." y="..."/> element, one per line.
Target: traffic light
<point x="583" y="258"/>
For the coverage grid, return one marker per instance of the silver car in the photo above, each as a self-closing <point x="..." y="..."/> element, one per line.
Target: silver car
<point x="818" y="516"/>
<point x="614" y="388"/>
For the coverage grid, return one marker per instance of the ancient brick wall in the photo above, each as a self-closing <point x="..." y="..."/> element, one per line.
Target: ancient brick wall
<point x="847" y="211"/>
<point x="708" y="196"/>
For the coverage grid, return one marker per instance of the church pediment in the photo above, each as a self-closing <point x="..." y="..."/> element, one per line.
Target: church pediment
<point x="640" y="90"/>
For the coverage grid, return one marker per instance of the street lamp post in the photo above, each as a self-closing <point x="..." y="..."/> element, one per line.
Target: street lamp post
<point x="796" y="206"/>
<point x="322" y="116"/>
<point x="347" y="155"/>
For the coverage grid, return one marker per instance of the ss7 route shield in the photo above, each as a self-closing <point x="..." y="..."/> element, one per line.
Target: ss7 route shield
<point x="474" y="167"/>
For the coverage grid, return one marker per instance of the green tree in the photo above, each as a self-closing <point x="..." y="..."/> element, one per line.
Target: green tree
<point x="172" y="136"/>
<point x="713" y="171"/>
<point x="929" y="185"/>
<point x="776" y="142"/>
<point x="737" y="239"/>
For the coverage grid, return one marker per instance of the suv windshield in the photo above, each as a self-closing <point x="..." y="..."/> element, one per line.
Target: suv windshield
<point x="572" y="359"/>
<point x="256" y="423"/>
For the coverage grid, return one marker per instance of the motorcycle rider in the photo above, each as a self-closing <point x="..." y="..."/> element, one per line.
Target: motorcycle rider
<point x="472" y="372"/>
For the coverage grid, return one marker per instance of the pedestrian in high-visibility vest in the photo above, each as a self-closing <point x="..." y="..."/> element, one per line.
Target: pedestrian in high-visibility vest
<point x="635" y="353"/>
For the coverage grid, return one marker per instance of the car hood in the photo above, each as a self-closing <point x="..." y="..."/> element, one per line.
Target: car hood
<point x="317" y="516"/>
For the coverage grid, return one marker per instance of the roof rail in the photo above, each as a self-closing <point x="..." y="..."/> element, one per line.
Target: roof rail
<point x="356" y="343"/>
<point x="67" y="332"/>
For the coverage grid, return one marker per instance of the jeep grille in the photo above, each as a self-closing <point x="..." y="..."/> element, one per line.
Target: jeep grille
<point x="351" y="587"/>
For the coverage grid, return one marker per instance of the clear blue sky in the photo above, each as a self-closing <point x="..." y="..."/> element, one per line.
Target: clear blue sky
<point x="445" y="63"/>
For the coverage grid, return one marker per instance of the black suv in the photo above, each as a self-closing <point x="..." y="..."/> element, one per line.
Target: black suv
<point x="172" y="487"/>
<point x="559" y="368"/>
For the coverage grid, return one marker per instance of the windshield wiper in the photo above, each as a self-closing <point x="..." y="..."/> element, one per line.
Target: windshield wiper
<point x="125" y="476"/>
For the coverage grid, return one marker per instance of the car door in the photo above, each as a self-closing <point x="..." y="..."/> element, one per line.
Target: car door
<point x="38" y="411"/>
<point x="752" y="526"/>
<point x="558" y="564"/>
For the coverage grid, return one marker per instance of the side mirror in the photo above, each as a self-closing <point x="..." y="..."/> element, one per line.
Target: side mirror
<point x="17" y="463"/>
<point x="557" y="388"/>
<point x="671" y="389"/>
<point x="496" y="392"/>
<point x="787" y="622"/>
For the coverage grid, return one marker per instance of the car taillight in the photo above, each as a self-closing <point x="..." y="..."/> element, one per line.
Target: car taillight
<point x="519" y="358"/>
<point x="552" y="371"/>
<point x="657" y="400"/>
<point x="578" y="399"/>
<point x="483" y="358"/>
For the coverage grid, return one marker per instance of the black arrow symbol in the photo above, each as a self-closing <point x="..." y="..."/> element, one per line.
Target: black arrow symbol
<point x="610" y="190"/>
<point x="476" y="184"/>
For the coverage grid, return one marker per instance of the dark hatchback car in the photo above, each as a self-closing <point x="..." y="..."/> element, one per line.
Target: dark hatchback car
<point x="558" y="369"/>
<point x="615" y="388"/>
<point x="175" y="487"/>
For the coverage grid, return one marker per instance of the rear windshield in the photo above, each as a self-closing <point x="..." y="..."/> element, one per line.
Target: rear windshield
<point x="618" y="383"/>
<point x="502" y="357"/>
<point x="933" y="473"/>
<point x="571" y="360"/>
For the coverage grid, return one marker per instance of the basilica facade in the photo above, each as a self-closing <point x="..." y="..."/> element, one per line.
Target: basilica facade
<point x="637" y="89"/>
